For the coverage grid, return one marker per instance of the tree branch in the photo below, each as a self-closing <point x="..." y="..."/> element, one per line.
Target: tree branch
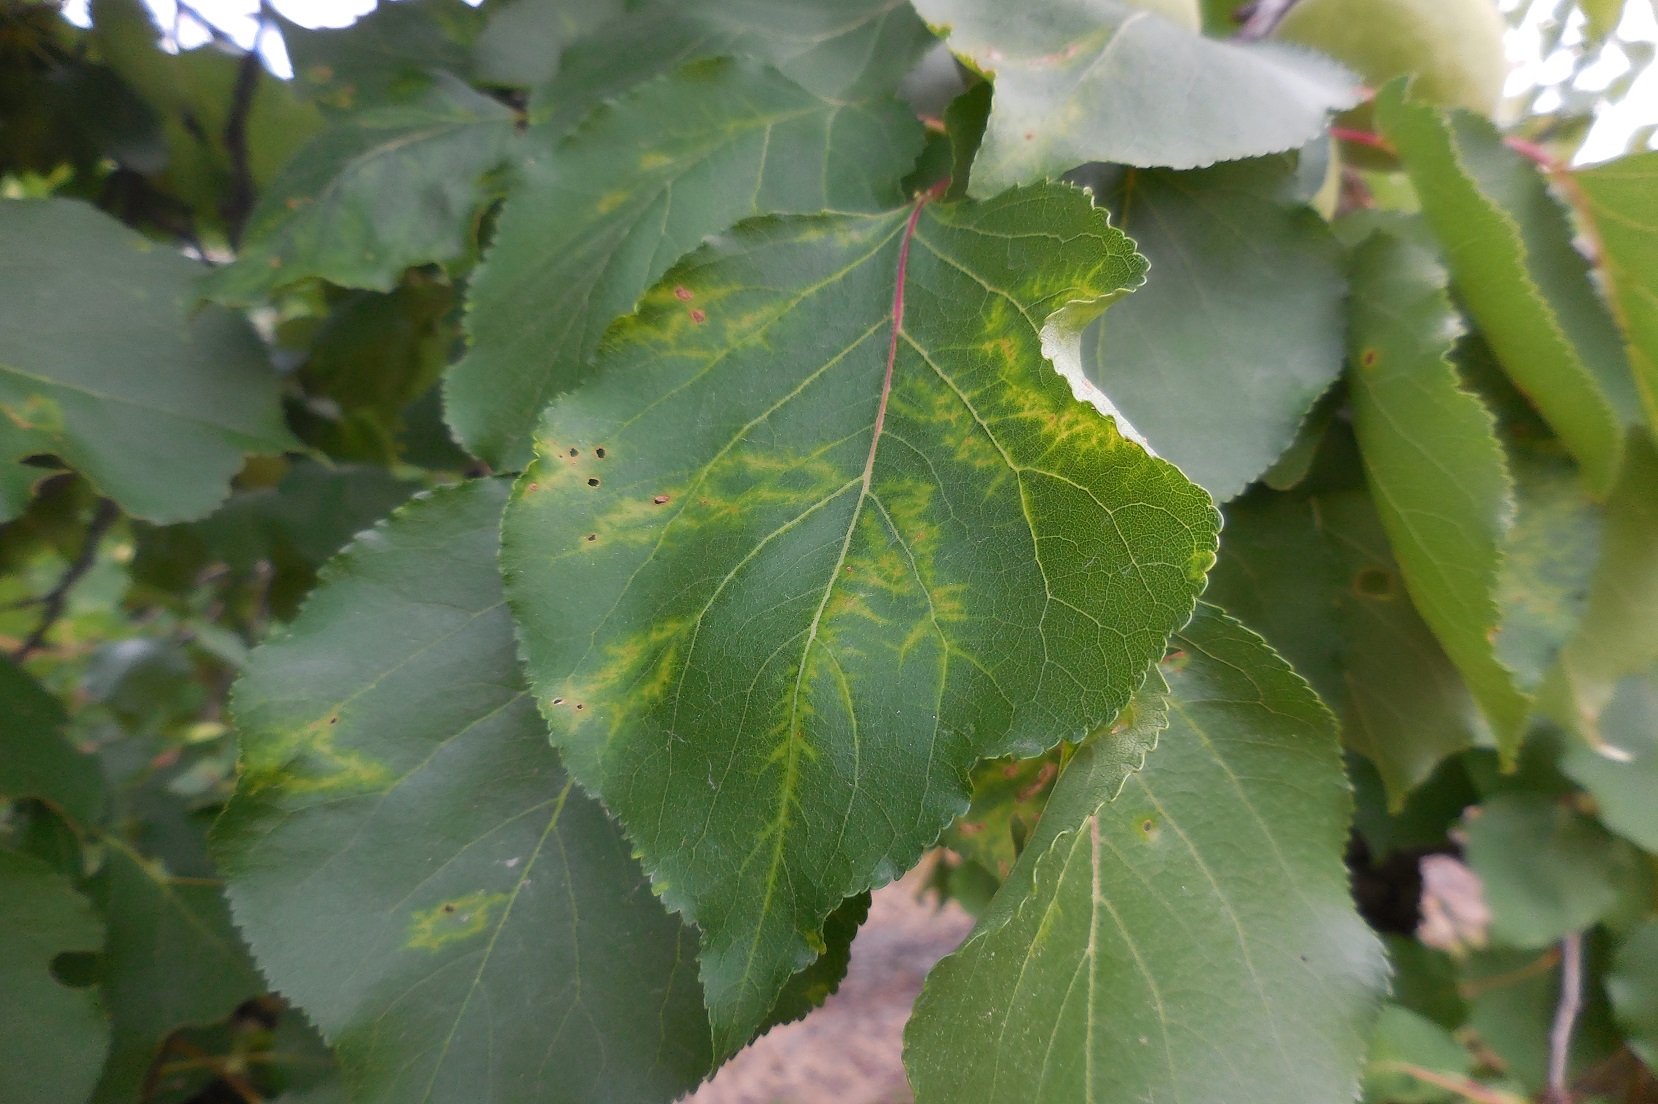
<point x="238" y="204"/>
<point x="1264" y="17"/>
<point x="52" y="605"/>
<point x="1565" y="1018"/>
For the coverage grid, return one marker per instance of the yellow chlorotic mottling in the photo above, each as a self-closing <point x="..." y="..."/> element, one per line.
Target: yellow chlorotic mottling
<point x="453" y="921"/>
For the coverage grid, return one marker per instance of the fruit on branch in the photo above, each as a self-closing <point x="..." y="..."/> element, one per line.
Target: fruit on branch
<point x="1453" y="49"/>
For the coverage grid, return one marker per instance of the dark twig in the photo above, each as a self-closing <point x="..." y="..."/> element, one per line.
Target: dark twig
<point x="53" y="604"/>
<point x="1565" y="1018"/>
<point x="1264" y="17"/>
<point x="238" y="204"/>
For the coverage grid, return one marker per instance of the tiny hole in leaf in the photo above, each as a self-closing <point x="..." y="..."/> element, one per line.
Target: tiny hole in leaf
<point x="599" y="452"/>
<point x="594" y="482"/>
<point x="575" y="452"/>
<point x="660" y="499"/>
<point x="591" y="537"/>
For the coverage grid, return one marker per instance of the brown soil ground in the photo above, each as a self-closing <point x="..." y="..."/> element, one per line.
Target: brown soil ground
<point x="850" y="1051"/>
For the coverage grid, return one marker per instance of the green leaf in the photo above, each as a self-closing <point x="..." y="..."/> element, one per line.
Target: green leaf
<point x="1435" y="467"/>
<point x="52" y="1037"/>
<point x="1548" y="871"/>
<point x="502" y="945"/>
<point x="521" y="43"/>
<point x="1622" y="774"/>
<point x="1405" y="1042"/>
<point x="1620" y="200"/>
<point x="173" y="959"/>
<point x="1514" y="996"/>
<point x="388" y="56"/>
<point x="1239" y="327"/>
<point x="36" y="757"/>
<point x="105" y="363"/>
<point x="1509" y="246"/>
<point x="889" y="544"/>
<point x="598" y="220"/>
<point x="852" y="51"/>
<point x="1614" y="639"/>
<point x="1106" y="80"/>
<point x="1192" y="935"/>
<point x="1632" y="984"/>
<point x="1342" y="617"/>
<point x="389" y="189"/>
<point x="1602" y="16"/>
<point x="1549" y="559"/>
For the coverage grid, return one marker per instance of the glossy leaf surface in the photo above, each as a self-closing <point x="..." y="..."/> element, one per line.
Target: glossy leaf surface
<point x="1109" y="980"/>
<point x="106" y="364"/>
<point x="1107" y="80"/>
<point x="1509" y="247"/>
<point x="596" y="221"/>
<point x="379" y="193"/>
<point x="890" y="543"/>
<point x="1247" y="295"/>
<point x="506" y="948"/>
<point x="52" y="1037"/>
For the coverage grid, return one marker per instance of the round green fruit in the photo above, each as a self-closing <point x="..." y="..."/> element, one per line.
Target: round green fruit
<point x="1453" y="49"/>
<point x="1184" y="12"/>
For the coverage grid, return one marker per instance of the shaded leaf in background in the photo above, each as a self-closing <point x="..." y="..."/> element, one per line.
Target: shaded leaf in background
<point x="173" y="959"/>
<point x="293" y="526"/>
<point x="388" y="56"/>
<point x="1249" y="297"/>
<point x="1621" y="203"/>
<point x="1549" y="560"/>
<point x="36" y="757"/>
<point x="1615" y="637"/>
<point x="1622" y="774"/>
<point x="596" y="221"/>
<point x="521" y="43"/>
<point x="367" y="360"/>
<point x="1548" y="870"/>
<point x="1107" y="80"/>
<point x="1436" y="470"/>
<point x="1344" y="620"/>
<point x="191" y="93"/>
<point x="890" y="544"/>
<point x="106" y="363"/>
<point x="853" y="51"/>
<point x="504" y="947"/>
<point x="1512" y="999"/>
<point x="1404" y="1042"/>
<point x="381" y="192"/>
<point x="1107" y="980"/>
<point x="1509" y="247"/>
<point x="52" y="1037"/>
<point x="1632" y="985"/>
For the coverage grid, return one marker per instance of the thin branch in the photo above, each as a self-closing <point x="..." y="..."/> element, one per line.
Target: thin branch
<point x="1565" y="1018"/>
<point x="1264" y="18"/>
<point x="55" y="601"/>
<point x="1464" y="1087"/>
<point x="238" y="204"/>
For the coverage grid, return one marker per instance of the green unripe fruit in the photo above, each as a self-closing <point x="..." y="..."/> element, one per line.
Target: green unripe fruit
<point x="1184" y="12"/>
<point x="1453" y="49"/>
